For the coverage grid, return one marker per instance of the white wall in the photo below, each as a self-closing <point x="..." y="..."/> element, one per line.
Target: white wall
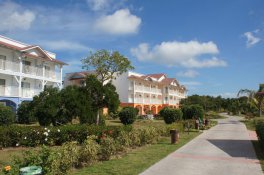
<point x="122" y="83"/>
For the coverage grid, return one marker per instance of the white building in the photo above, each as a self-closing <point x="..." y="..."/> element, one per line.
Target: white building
<point x="149" y="92"/>
<point x="25" y="70"/>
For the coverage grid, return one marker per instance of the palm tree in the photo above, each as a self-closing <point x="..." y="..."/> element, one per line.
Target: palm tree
<point x="255" y="98"/>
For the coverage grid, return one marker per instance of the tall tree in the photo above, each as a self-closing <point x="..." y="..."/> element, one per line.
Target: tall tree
<point x="107" y="65"/>
<point x="255" y="98"/>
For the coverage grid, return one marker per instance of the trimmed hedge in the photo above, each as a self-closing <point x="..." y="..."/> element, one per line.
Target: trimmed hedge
<point x="11" y="136"/>
<point x="7" y="116"/>
<point x="128" y="115"/>
<point x="170" y="115"/>
<point x="260" y="131"/>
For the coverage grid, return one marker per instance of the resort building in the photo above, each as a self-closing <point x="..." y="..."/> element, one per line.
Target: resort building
<point x="149" y="93"/>
<point x="25" y="70"/>
<point x="76" y="78"/>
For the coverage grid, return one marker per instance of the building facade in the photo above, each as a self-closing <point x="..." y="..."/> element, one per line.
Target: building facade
<point x="25" y="70"/>
<point x="149" y="93"/>
<point x="76" y="78"/>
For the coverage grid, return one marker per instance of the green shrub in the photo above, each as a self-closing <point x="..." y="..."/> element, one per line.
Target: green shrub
<point x="7" y="116"/>
<point x="108" y="148"/>
<point x="64" y="158"/>
<point x="124" y="140"/>
<point x="148" y="135"/>
<point x="170" y="115"/>
<point x="135" y="138"/>
<point x="260" y="131"/>
<point x="89" y="150"/>
<point x="192" y="111"/>
<point x="127" y="115"/>
<point x="25" y="114"/>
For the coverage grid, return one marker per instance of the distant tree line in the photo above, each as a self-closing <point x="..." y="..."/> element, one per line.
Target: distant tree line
<point x="219" y="104"/>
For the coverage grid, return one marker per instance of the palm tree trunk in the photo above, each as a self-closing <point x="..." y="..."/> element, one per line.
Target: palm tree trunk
<point x="260" y="108"/>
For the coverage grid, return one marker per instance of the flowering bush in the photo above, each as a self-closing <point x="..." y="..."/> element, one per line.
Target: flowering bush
<point x="6" y="169"/>
<point x="12" y="136"/>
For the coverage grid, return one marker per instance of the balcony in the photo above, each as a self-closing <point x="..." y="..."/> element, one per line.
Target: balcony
<point x="146" y="89"/>
<point x="9" y="66"/>
<point x="9" y="91"/>
<point x="145" y="101"/>
<point x="30" y="92"/>
<point x="12" y="91"/>
<point x="29" y="70"/>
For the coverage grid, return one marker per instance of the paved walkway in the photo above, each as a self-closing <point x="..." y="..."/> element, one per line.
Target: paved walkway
<point x="225" y="149"/>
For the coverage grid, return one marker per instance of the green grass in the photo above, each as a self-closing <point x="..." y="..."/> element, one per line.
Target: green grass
<point x="138" y="160"/>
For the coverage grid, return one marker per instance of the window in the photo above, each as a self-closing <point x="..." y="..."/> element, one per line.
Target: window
<point x="47" y="71"/>
<point x="25" y="85"/>
<point x="2" y="82"/>
<point x="26" y="66"/>
<point x="2" y="61"/>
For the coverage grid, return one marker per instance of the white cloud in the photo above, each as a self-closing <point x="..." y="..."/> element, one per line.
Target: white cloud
<point x="226" y="95"/>
<point x="191" y="83"/>
<point x="63" y="45"/>
<point x="188" y="74"/>
<point x="175" y="53"/>
<point x="120" y="23"/>
<point x="14" y="16"/>
<point x="97" y="5"/>
<point x="251" y="39"/>
<point x="73" y="66"/>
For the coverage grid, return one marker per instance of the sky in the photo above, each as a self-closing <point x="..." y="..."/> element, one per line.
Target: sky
<point x="212" y="47"/>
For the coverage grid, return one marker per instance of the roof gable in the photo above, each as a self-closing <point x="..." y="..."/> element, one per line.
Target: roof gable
<point x="36" y="50"/>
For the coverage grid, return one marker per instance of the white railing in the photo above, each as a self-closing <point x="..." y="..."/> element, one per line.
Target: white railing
<point x="138" y="100"/>
<point x="146" y="89"/>
<point x="10" y="91"/>
<point x="32" y="70"/>
<point x="29" y="70"/>
<point x="9" y="65"/>
<point x="30" y="92"/>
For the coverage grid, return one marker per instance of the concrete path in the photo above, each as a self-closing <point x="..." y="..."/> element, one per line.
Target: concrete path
<point x="225" y="149"/>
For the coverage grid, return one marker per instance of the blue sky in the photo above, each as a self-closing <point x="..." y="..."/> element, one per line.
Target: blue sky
<point x="213" y="47"/>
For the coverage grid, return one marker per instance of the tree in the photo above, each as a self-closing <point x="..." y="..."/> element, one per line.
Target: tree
<point x="46" y="106"/>
<point x="255" y="98"/>
<point x="69" y="103"/>
<point x="25" y="113"/>
<point x="107" y="65"/>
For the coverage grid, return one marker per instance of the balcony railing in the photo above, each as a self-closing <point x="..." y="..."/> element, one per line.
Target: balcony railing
<point x="146" y="89"/>
<point x="30" y="92"/>
<point x="9" y="65"/>
<point x="29" y="70"/>
<point x="12" y="91"/>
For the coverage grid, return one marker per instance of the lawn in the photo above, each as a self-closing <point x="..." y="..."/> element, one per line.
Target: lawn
<point x="137" y="160"/>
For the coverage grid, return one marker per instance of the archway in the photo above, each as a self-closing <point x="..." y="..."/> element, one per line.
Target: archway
<point x="139" y="107"/>
<point x="9" y="103"/>
<point x="154" y="109"/>
<point x="159" y="108"/>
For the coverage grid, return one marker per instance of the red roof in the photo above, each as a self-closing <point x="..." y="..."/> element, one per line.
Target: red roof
<point x="157" y="76"/>
<point x="10" y="46"/>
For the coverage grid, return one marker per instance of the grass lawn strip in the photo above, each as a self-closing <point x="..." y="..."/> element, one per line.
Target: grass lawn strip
<point x="137" y="160"/>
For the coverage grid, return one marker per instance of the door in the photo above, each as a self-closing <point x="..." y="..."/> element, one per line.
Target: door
<point x="2" y="62"/>
<point x="26" y="66"/>
<point x="25" y="89"/>
<point x="2" y="87"/>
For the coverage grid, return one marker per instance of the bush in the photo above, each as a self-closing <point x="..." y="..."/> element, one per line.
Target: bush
<point x="89" y="150"/>
<point x="7" y="116"/>
<point x="11" y="136"/>
<point x="260" y="131"/>
<point x="170" y="115"/>
<point x="127" y="115"/>
<point x="108" y="148"/>
<point x="25" y="114"/>
<point x="192" y="111"/>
